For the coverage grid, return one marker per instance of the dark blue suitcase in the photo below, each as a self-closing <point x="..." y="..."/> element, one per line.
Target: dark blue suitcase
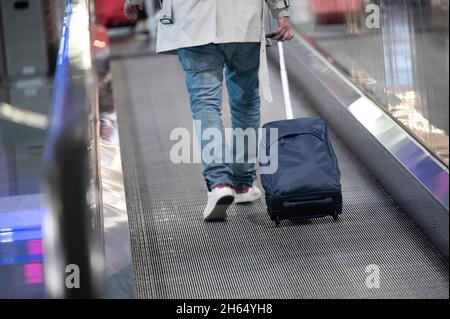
<point x="307" y="182"/>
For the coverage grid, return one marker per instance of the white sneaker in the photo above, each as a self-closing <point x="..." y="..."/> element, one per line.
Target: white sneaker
<point x="250" y="194"/>
<point x="219" y="199"/>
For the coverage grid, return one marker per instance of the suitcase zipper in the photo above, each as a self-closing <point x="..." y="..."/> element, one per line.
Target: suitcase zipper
<point x="313" y="195"/>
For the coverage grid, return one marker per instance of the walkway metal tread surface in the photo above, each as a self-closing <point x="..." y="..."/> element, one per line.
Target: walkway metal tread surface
<point x="177" y="255"/>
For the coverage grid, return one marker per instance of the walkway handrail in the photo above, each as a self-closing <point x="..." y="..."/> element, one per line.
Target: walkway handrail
<point x="73" y="230"/>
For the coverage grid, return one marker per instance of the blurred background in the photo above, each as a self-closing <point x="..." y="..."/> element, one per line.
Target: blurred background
<point x="403" y="65"/>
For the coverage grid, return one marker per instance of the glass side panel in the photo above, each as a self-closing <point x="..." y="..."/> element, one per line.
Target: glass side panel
<point x="24" y="107"/>
<point x="395" y="51"/>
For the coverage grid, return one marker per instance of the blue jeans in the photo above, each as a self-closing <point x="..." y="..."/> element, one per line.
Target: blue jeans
<point x="204" y="72"/>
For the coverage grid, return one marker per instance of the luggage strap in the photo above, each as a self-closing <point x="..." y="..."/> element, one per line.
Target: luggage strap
<point x="166" y="12"/>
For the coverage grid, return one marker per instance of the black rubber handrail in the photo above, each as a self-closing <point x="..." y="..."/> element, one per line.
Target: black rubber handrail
<point x="73" y="230"/>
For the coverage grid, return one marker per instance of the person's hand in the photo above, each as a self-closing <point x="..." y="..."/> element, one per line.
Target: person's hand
<point x="131" y="10"/>
<point x="284" y="31"/>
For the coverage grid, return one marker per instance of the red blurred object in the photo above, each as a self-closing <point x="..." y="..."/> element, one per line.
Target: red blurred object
<point x="109" y="13"/>
<point x="335" y="6"/>
<point x="99" y="38"/>
<point x="335" y="10"/>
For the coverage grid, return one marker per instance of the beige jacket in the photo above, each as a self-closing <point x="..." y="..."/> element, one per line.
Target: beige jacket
<point x="199" y="22"/>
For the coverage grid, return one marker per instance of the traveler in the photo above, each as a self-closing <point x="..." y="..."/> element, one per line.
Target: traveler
<point x="208" y="36"/>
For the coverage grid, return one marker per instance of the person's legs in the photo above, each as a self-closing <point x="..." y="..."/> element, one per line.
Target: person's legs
<point x="242" y="62"/>
<point x="203" y="66"/>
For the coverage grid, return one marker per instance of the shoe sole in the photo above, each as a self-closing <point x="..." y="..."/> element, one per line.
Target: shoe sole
<point x="220" y="211"/>
<point x="247" y="201"/>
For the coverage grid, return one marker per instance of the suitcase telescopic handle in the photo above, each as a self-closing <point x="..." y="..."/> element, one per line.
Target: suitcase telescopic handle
<point x="315" y="202"/>
<point x="285" y="83"/>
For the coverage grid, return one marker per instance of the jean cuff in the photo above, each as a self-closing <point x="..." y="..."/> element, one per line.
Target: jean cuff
<point x="240" y="185"/>
<point x="219" y="181"/>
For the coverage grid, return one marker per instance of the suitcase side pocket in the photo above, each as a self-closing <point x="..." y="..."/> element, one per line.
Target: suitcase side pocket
<point x="305" y="165"/>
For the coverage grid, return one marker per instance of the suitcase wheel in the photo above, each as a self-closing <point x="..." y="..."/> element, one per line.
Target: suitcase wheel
<point x="335" y="215"/>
